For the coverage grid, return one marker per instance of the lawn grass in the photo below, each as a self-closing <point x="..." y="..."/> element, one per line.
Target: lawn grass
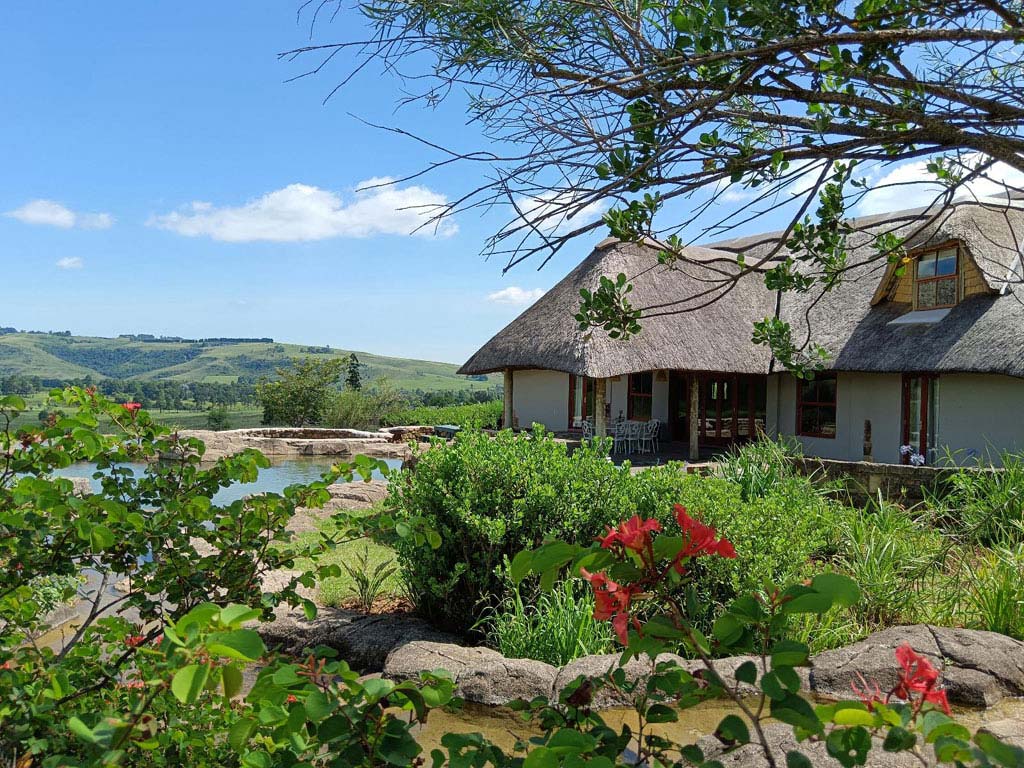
<point x="240" y="416"/>
<point x="336" y="590"/>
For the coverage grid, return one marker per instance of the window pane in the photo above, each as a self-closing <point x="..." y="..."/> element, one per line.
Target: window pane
<point x="808" y="390"/>
<point x="641" y="382"/>
<point x="926" y="265"/>
<point x="640" y="408"/>
<point x="826" y="389"/>
<point x="827" y="421"/>
<point x="945" y="291"/>
<point x="946" y="262"/>
<point x="809" y="420"/>
<point x="925" y="295"/>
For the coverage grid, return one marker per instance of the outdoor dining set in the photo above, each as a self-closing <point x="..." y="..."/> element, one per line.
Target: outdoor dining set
<point x="628" y="436"/>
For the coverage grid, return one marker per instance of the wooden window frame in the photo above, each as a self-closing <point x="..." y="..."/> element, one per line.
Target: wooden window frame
<point x="630" y="394"/>
<point x="800" y="403"/>
<point x="954" y="278"/>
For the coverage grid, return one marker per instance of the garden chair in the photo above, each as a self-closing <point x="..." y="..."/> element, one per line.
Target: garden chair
<point x="646" y="435"/>
<point x="588" y="429"/>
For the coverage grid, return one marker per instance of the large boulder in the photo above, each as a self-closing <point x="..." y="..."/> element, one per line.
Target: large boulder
<point x="977" y="668"/>
<point x="286" y="442"/>
<point x="482" y="675"/>
<point x="354" y="496"/>
<point x="363" y="640"/>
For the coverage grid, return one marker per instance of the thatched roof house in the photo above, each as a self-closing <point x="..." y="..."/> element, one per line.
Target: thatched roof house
<point x="955" y="309"/>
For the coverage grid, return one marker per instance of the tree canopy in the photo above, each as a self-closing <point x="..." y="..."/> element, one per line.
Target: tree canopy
<point x="733" y="109"/>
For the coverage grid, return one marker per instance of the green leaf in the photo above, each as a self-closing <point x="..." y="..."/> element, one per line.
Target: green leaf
<point x="81" y="730"/>
<point x="796" y="759"/>
<point x="101" y="537"/>
<point x="188" y="682"/>
<point x="850" y="746"/>
<point x="794" y="710"/>
<point x="789" y="653"/>
<point x="231" y="679"/>
<point x="1003" y="754"/>
<point x="241" y="644"/>
<point x="240" y="733"/>
<point x="747" y="672"/>
<point x="659" y="713"/>
<point x="235" y="615"/>
<point x="727" y="629"/>
<point x="899" y="739"/>
<point x="842" y="590"/>
<point x="732" y="731"/>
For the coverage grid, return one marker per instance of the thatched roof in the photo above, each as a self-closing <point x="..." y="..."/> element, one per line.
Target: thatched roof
<point x="984" y="333"/>
<point x="714" y="338"/>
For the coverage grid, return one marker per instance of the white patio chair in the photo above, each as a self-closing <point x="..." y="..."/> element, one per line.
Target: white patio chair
<point x="655" y="427"/>
<point x="620" y="437"/>
<point x="588" y="429"/>
<point x="645" y="436"/>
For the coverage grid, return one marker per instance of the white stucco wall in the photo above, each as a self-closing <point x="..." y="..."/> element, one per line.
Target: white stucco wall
<point x="978" y="415"/>
<point x="859" y="396"/>
<point x="981" y="415"/>
<point x="541" y="397"/>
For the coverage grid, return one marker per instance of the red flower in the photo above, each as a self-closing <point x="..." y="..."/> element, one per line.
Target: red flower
<point x="132" y="408"/>
<point x="865" y="694"/>
<point x="634" y="534"/>
<point x="918" y="676"/>
<point x="7" y="665"/>
<point x="134" y="641"/>
<point x="291" y="699"/>
<point x="700" y="539"/>
<point x="611" y="601"/>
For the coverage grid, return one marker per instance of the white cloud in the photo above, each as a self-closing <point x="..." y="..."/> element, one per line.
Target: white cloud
<point x="515" y="296"/>
<point x="549" y="211"/>
<point x="912" y="185"/>
<point x="70" y="262"/>
<point x="302" y="212"/>
<point x="52" y="214"/>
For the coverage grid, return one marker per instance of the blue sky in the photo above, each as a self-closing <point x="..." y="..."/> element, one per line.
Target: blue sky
<point x="158" y="175"/>
<point x="118" y="120"/>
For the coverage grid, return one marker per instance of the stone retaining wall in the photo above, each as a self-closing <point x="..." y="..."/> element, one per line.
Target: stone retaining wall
<point x="865" y="479"/>
<point x="285" y="442"/>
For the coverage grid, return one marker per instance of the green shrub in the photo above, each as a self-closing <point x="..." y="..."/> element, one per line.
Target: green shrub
<point x="481" y="415"/>
<point x="555" y="627"/>
<point x="490" y="497"/>
<point x="363" y="408"/>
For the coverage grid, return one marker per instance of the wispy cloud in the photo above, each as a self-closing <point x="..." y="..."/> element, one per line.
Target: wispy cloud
<point x="52" y="214"/>
<point x="549" y="212"/>
<point x="70" y="262"/>
<point x="515" y="296"/>
<point x="301" y="212"/>
<point x="912" y="185"/>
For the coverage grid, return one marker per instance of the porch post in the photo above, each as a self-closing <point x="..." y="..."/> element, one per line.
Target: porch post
<point x="694" y="417"/>
<point x="600" y="425"/>
<point x="507" y="413"/>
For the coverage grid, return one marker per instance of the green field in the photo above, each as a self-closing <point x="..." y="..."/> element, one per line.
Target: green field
<point x="51" y="356"/>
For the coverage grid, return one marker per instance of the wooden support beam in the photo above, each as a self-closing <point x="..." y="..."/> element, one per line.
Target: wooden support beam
<point x="508" y="414"/>
<point x="694" y="417"/>
<point x="600" y="423"/>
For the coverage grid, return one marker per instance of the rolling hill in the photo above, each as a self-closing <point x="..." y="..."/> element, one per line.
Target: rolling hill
<point x="55" y="356"/>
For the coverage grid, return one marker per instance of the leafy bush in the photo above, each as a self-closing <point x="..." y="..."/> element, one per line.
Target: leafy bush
<point x="363" y="408"/>
<point x="480" y="415"/>
<point x="217" y="418"/>
<point x="488" y="498"/>
<point x="555" y="627"/>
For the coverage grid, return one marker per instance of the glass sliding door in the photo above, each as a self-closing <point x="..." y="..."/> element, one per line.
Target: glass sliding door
<point x="581" y="400"/>
<point x="920" y="418"/>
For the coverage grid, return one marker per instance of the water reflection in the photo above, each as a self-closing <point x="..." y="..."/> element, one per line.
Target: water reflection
<point x="274" y="479"/>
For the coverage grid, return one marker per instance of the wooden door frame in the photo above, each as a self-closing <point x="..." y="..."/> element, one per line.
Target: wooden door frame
<point x="927" y="379"/>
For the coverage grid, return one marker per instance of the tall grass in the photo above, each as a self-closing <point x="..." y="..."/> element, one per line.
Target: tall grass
<point x="982" y="505"/>
<point x="483" y="415"/>
<point x="555" y="627"/>
<point x="759" y="467"/>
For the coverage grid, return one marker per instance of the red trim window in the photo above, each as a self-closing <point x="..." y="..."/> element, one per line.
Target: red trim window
<point x="639" y="404"/>
<point x="816" y="406"/>
<point x="937" y="283"/>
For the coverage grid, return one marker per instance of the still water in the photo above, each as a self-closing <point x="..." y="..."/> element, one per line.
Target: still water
<point x="273" y="479"/>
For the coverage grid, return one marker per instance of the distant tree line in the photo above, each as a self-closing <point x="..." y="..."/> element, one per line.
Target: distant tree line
<point x="163" y="394"/>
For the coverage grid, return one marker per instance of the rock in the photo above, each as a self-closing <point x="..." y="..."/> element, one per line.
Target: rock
<point x="406" y="433"/>
<point x="357" y="495"/>
<point x="599" y="666"/>
<point x="364" y="641"/>
<point x="781" y="740"/>
<point x="482" y="675"/>
<point x="81" y="486"/>
<point x="977" y="668"/>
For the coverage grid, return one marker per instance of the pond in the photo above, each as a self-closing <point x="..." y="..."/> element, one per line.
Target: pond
<point x="274" y="479"/>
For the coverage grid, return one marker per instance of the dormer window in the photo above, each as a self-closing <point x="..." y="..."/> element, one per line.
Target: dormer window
<point x="937" y="278"/>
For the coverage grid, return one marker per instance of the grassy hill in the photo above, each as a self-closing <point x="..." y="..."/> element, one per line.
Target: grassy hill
<point x="69" y="357"/>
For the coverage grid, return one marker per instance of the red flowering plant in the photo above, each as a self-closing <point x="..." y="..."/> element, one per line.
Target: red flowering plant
<point x="639" y="573"/>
